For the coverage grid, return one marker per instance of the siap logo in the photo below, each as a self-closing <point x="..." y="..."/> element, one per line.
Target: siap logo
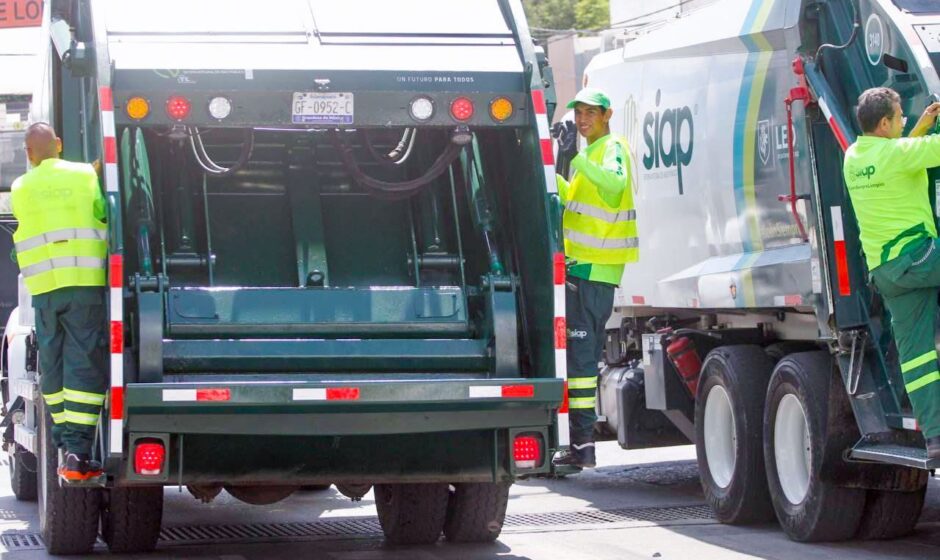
<point x="663" y="134"/>
<point x="866" y="172"/>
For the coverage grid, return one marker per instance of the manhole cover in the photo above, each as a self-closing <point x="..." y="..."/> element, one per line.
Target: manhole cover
<point x="21" y="541"/>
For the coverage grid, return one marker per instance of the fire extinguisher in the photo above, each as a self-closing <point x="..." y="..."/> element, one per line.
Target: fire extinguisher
<point x="684" y="357"/>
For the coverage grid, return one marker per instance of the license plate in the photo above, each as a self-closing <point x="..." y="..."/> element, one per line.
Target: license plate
<point x="322" y="108"/>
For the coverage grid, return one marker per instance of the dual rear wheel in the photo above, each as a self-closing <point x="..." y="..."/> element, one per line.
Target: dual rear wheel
<point x="762" y="437"/>
<point x="418" y="513"/>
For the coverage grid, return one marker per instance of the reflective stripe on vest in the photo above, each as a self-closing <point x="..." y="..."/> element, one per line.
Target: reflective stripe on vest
<point x="598" y="243"/>
<point x="62" y="262"/>
<point x="61" y="235"/>
<point x="595" y="231"/>
<point x="600" y="213"/>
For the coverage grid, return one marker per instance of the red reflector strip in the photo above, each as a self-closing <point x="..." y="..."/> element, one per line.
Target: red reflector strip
<point x="842" y="269"/>
<point x="561" y="333"/>
<point x="538" y="102"/>
<point x="342" y="394"/>
<point x="117" y="337"/>
<point x="559" y="268"/>
<point x="842" y="261"/>
<point x="548" y="157"/>
<point x="116" y="276"/>
<point x="639" y="300"/>
<point x="105" y="99"/>
<point x="117" y="403"/>
<point x="518" y="391"/>
<point x="564" y="401"/>
<point x="840" y="136"/>
<point x="110" y="149"/>
<point x="213" y="394"/>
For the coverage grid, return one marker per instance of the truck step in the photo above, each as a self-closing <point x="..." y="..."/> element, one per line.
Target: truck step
<point x="894" y="454"/>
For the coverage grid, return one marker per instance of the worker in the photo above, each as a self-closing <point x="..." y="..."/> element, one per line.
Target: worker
<point x="61" y="248"/>
<point x="600" y="237"/>
<point x="886" y="176"/>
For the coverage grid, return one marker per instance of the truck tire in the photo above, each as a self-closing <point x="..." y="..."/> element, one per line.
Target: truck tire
<point x="131" y="518"/>
<point x="475" y="511"/>
<point x="729" y="411"/>
<point x="23" y="477"/>
<point x="779" y="350"/>
<point x="411" y="513"/>
<point x="795" y="433"/>
<point x="68" y="517"/>
<point x="890" y="514"/>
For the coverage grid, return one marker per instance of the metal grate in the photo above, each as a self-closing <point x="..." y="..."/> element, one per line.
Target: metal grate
<point x="13" y="542"/>
<point x="369" y="526"/>
<point x="656" y="515"/>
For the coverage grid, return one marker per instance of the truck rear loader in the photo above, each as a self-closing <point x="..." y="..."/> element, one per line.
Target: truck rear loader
<point x="330" y="261"/>
<point x="749" y="325"/>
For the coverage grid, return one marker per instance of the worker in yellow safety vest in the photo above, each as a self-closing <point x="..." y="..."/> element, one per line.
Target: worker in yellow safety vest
<point x="61" y="248"/>
<point x="886" y="176"/>
<point x="600" y="233"/>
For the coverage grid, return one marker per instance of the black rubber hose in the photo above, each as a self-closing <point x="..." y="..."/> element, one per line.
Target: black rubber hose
<point x="403" y="189"/>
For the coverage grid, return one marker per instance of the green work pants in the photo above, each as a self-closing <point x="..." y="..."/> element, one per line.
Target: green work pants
<point x="909" y="285"/>
<point x="588" y="305"/>
<point x="72" y="338"/>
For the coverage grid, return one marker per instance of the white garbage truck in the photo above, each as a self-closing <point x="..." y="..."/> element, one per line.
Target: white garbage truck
<point x="749" y="326"/>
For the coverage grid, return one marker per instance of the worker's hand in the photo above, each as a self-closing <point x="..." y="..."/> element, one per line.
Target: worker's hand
<point x="97" y="165"/>
<point x="567" y="136"/>
<point x="926" y="120"/>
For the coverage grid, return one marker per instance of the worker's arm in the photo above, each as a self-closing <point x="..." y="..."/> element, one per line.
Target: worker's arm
<point x="916" y="154"/>
<point x="100" y="205"/>
<point x="926" y="121"/>
<point x="611" y="177"/>
<point x="562" y="188"/>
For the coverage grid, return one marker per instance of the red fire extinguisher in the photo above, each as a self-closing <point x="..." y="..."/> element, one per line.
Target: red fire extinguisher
<point x="684" y="357"/>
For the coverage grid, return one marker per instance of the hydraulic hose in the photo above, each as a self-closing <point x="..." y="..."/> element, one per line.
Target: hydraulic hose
<point x="388" y="189"/>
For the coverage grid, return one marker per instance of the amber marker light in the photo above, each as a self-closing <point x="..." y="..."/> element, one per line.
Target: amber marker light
<point x="500" y="109"/>
<point x="137" y="108"/>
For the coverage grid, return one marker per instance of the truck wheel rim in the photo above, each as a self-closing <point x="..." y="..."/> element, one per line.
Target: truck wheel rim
<point x="792" y="448"/>
<point x="721" y="443"/>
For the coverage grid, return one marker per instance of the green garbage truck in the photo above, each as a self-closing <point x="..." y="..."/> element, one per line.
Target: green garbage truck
<point x="332" y="260"/>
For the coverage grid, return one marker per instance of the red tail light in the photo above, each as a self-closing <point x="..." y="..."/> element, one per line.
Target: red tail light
<point x="178" y="107"/>
<point x="149" y="458"/>
<point x="527" y="452"/>
<point x="461" y="109"/>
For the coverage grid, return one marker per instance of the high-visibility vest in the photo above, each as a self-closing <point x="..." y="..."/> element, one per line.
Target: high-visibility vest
<point x="594" y="231"/>
<point x="59" y="241"/>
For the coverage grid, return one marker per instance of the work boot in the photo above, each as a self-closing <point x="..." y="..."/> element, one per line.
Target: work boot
<point x="78" y="467"/>
<point x="579" y="455"/>
<point x="933" y="447"/>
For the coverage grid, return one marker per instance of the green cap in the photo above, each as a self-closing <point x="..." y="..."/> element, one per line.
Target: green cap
<point x="591" y="96"/>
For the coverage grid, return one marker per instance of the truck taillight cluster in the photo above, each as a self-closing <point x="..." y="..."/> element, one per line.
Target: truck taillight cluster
<point x="149" y="457"/>
<point x="527" y="451"/>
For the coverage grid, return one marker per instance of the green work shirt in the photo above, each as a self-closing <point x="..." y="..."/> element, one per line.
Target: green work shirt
<point x="887" y="182"/>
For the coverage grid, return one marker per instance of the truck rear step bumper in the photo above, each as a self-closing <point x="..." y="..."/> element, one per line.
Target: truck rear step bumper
<point x="341" y="407"/>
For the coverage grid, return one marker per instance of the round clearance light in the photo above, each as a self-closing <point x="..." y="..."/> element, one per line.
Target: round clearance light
<point x="137" y="108"/>
<point x="178" y="107"/>
<point x="461" y="109"/>
<point x="500" y="109"/>
<point x="421" y="108"/>
<point x="220" y="107"/>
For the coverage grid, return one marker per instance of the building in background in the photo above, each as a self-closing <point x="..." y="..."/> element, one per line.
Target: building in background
<point x="570" y="51"/>
<point x="20" y="22"/>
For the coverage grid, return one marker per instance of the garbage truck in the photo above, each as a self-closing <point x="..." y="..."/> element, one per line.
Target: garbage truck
<point x="331" y="261"/>
<point x="749" y="326"/>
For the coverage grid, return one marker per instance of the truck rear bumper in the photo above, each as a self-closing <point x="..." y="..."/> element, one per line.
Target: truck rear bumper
<point x="340" y="407"/>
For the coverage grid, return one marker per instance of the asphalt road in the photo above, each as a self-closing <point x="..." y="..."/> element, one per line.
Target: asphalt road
<point x="638" y="504"/>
